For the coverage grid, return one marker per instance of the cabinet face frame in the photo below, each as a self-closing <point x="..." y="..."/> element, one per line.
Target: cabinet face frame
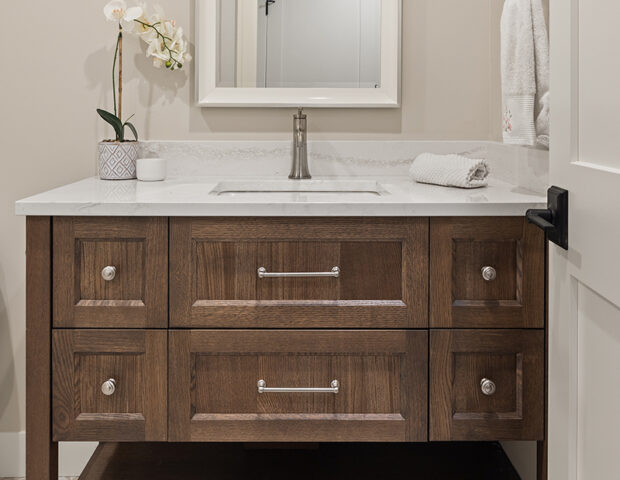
<point x="72" y="235"/>
<point x="188" y="425"/>
<point x="188" y="311"/>
<point x="70" y="350"/>
<point x="525" y="422"/>
<point x="524" y="263"/>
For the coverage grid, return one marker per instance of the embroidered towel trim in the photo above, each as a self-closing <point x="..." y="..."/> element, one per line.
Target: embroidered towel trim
<point x="450" y="170"/>
<point x="525" y="73"/>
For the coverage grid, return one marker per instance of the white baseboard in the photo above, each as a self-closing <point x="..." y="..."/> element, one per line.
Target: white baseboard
<point x="523" y="457"/>
<point x="72" y="457"/>
<point x="12" y="454"/>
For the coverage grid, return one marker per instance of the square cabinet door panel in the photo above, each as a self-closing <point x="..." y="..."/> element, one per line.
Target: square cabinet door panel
<point x="486" y="273"/>
<point x="110" y="272"/>
<point x="109" y="385"/>
<point x="487" y="385"/>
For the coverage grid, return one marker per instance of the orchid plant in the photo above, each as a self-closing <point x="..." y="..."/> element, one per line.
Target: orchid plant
<point x="166" y="44"/>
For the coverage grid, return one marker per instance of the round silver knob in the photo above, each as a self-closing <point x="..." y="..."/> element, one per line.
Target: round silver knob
<point x="108" y="387"/>
<point x="489" y="274"/>
<point x="108" y="273"/>
<point x="487" y="386"/>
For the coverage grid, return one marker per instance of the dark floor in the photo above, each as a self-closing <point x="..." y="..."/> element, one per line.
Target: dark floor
<point x="454" y="461"/>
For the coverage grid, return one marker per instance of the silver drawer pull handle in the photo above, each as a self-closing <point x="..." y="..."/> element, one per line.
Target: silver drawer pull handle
<point x="108" y="273"/>
<point x="263" y="273"/>
<point x="488" y="387"/>
<point x="108" y="387"/>
<point x="489" y="274"/>
<point x="262" y="388"/>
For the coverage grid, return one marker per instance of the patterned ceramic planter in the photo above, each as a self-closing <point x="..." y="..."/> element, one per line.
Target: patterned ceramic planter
<point x="117" y="161"/>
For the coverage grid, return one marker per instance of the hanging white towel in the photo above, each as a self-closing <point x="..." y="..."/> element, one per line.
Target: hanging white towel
<point x="450" y="170"/>
<point x="525" y="73"/>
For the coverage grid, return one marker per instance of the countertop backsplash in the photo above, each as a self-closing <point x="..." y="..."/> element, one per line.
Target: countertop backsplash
<point x="520" y="166"/>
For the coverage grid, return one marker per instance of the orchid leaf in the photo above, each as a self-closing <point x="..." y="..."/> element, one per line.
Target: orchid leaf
<point x="133" y="129"/>
<point x="115" y="122"/>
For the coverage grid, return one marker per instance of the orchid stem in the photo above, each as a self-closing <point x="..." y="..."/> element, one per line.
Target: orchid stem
<point x="118" y="39"/>
<point x="120" y="72"/>
<point x="163" y="37"/>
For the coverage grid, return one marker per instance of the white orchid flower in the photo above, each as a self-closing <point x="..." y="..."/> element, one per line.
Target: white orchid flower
<point x="117" y="11"/>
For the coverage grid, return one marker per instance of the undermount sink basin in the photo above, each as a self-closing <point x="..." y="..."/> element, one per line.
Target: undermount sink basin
<point x="306" y="187"/>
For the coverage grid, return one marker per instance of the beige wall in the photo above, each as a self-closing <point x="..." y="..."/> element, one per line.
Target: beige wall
<point x="56" y="72"/>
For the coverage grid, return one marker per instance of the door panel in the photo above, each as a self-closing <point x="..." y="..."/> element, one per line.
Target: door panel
<point x="598" y="333"/>
<point x="381" y="385"/>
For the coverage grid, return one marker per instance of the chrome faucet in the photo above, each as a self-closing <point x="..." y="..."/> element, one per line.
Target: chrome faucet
<point x="300" y="170"/>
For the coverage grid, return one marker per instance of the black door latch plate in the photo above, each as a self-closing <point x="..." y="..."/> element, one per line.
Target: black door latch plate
<point x="553" y="220"/>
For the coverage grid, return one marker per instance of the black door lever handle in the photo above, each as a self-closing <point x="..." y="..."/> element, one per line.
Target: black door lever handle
<point x="554" y="219"/>
<point x="541" y="218"/>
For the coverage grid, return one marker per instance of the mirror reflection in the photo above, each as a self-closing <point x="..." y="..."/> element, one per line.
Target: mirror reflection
<point x="299" y="43"/>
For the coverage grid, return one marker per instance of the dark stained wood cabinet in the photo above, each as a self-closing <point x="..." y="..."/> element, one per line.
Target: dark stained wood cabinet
<point x="487" y="385"/>
<point x="486" y="273"/>
<point x="137" y="251"/>
<point x="379" y="380"/>
<point x="382" y="282"/>
<point x="431" y="330"/>
<point x="134" y="361"/>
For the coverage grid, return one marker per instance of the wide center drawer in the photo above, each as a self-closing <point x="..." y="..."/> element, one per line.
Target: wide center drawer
<point x="282" y="273"/>
<point x="257" y="385"/>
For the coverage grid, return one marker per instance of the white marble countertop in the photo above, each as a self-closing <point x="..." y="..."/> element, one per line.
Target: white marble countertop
<point x="195" y="196"/>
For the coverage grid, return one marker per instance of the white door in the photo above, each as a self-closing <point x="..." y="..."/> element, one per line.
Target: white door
<point x="319" y="43"/>
<point x="584" y="283"/>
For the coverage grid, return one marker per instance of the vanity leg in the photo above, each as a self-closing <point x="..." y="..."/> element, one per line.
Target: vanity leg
<point x="41" y="452"/>
<point x="542" y="460"/>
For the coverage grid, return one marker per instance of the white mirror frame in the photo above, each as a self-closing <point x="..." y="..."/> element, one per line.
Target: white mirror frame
<point x="210" y="95"/>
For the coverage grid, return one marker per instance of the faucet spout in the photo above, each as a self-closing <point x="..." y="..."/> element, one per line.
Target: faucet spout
<point x="299" y="169"/>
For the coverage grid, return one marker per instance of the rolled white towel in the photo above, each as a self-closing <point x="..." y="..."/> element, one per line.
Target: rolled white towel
<point x="450" y="170"/>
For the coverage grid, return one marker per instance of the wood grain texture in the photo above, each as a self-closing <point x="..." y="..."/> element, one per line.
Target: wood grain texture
<point x="84" y="359"/>
<point x="460" y="359"/>
<point x="214" y="375"/>
<point x="214" y="281"/>
<point x="461" y="298"/>
<point x="138" y="295"/>
<point x="413" y="461"/>
<point x="41" y="451"/>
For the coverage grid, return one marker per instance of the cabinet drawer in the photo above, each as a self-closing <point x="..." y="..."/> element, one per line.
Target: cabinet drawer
<point x="381" y="277"/>
<point x="487" y="385"/>
<point x="381" y="386"/>
<point x="487" y="273"/>
<point x="109" y="385"/>
<point x="110" y="272"/>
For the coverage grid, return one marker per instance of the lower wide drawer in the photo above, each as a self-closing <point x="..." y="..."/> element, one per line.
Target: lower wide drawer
<point x="246" y="386"/>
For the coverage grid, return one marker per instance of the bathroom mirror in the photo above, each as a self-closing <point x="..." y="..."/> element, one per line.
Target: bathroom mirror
<point x="290" y="53"/>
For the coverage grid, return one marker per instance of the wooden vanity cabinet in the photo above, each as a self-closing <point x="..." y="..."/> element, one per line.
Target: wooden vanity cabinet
<point x="243" y="330"/>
